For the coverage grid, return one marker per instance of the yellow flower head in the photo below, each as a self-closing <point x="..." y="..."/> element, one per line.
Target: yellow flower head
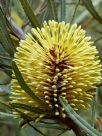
<point x="57" y="60"/>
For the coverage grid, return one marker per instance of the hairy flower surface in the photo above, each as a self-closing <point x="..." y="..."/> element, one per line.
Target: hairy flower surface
<point x="57" y="60"/>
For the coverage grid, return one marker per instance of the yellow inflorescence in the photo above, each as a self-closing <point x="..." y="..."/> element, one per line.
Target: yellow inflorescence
<point x="57" y="60"/>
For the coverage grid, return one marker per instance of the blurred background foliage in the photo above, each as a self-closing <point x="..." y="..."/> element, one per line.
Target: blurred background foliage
<point x="15" y="20"/>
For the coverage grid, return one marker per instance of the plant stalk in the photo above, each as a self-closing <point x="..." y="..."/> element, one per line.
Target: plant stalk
<point x="76" y="129"/>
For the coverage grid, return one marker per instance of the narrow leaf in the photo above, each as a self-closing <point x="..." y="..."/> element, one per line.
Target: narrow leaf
<point x="36" y="129"/>
<point x="63" y="8"/>
<point x="89" y="5"/>
<point x="26" y="117"/>
<point x="4" y="63"/>
<point x="100" y="38"/>
<point x="3" y="115"/>
<point x="75" y="10"/>
<point x="25" y="87"/>
<point x="4" y="35"/>
<point x="63" y="131"/>
<point x="15" y="31"/>
<point x="27" y="107"/>
<point x="77" y="119"/>
<point x="52" y="7"/>
<point x="5" y="57"/>
<point x="6" y="105"/>
<point x="27" y="120"/>
<point x="7" y="71"/>
<point x="29" y="12"/>
<point x="5" y="4"/>
<point x="52" y="126"/>
<point x="23" y="123"/>
<point x="5" y="66"/>
<point x="94" y="107"/>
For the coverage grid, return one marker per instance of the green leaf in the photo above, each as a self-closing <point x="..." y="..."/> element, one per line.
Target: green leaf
<point x="5" y="66"/>
<point x="88" y="4"/>
<point x="5" y="39"/>
<point x="5" y="57"/>
<point x="27" y="120"/>
<point x="94" y="107"/>
<point x="63" y="9"/>
<point x="4" y="63"/>
<point x="4" y="4"/>
<point x="27" y="107"/>
<point x="52" y="126"/>
<point x="26" y="117"/>
<point x="29" y="12"/>
<point x="52" y="7"/>
<point x="16" y="33"/>
<point x="7" y="71"/>
<point x="77" y="119"/>
<point x="62" y="132"/>
<point x="23" y="123"/>
<point x="6" y="105"/>
<point x="3" y="115"/>
<point x="25" y="87"/>
<point x="36" y="129"/>
<point x="98" y="39"/>
<point x="75" y="10"/>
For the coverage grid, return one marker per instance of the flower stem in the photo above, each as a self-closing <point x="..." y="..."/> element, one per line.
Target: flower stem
<point x="77" y="130"/>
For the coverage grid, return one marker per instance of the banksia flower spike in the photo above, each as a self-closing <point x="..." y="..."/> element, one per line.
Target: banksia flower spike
<point x="57" y="60"/>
